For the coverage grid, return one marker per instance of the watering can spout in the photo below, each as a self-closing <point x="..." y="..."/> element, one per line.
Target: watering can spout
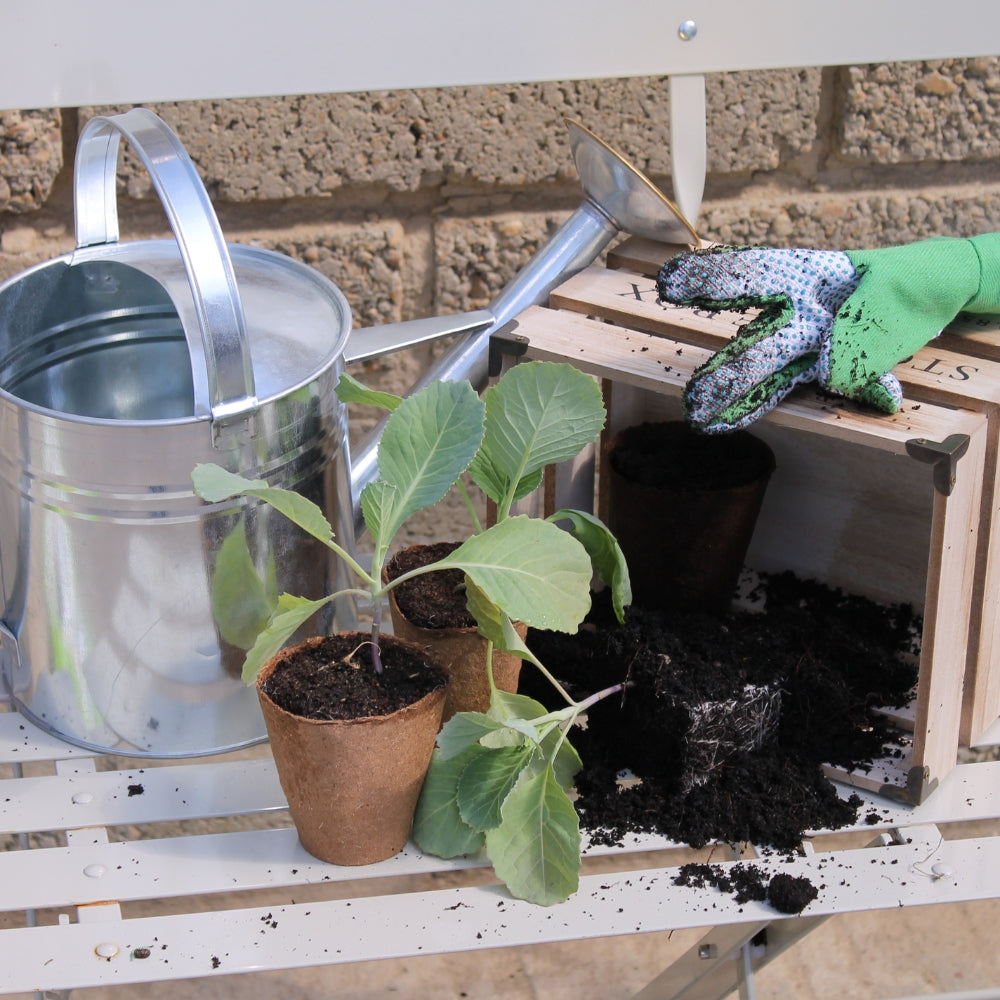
<point x="618" y="198"/>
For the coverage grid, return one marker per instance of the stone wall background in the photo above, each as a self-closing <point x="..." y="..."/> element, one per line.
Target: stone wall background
<point x="427" y="202"/>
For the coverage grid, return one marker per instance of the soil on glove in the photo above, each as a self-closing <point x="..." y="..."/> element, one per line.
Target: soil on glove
<point x="833" y="657"/>
<point x="336" y="679"/>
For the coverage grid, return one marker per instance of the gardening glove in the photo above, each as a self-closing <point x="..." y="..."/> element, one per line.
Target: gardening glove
<point x="840" y="318"/>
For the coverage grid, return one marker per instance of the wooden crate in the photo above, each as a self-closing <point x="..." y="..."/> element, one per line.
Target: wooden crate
<point x="848" y="505"/>
<point x="960" y="368"/>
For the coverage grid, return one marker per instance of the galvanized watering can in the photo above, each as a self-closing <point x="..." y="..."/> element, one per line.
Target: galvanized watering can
<point x="122" y="365"/>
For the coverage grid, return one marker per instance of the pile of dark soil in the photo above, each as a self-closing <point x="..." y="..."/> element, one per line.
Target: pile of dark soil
<point x="833" y="657"/>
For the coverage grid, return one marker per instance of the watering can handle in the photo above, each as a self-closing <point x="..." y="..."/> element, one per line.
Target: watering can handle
<point x="199" y="237"/>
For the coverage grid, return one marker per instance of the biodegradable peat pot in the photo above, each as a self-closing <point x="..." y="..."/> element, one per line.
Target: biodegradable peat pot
<point x="352" y="784"/>
<point x="683" y="506"/>
<point x="431" y="612"/>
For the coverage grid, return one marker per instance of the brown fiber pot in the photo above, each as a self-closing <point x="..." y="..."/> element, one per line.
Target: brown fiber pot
<point x="462" y="652"/>
<point x="685" y="540"/>
<point x="352" y="785"/>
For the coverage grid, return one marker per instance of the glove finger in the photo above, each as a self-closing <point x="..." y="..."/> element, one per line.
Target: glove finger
<point x="772" y="343"/>
<point x="884" y="393"/>
<point x="732" y="397"/>
<point x="715" y="278"/>
<point x="817" y="281"/>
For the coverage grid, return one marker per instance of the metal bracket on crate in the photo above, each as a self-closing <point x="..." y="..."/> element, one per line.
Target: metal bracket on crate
<point x="505" y="343"/>
<point x="943" y="455"/>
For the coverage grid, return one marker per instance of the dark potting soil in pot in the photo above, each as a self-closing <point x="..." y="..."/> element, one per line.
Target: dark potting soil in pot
<point x="673" y="456"/>
<point x="433" y="600"/>
<point x="336" y="679"/>
<point x="834" y="657"/>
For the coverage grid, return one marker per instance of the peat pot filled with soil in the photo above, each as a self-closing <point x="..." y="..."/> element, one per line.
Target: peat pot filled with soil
<point x="683" y="506"/>
<point x="431" y="611"/>
<point x="352" y="745"/>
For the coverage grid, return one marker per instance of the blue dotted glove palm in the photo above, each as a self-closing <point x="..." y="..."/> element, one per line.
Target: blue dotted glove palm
<point x="839" y="318"/>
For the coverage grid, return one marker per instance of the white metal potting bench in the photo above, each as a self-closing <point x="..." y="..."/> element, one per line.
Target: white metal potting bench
<point x="76" y="930"/>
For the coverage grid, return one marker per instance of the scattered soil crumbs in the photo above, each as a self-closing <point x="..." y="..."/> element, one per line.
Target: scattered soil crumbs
<point x="833" y="657"/>
<point x="746" y="882"/>
<point x="335" y="679"/>
<point x="433" y="600"/>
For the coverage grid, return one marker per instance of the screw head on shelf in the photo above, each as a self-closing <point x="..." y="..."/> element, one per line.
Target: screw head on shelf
<point x="687" y="30"/>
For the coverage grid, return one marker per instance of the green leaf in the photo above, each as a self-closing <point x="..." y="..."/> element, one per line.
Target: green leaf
<point x="350" y="390"/>
<point x="494" y="483"/>
<point x="539" y="413"/>
<point x="509" y="708"/>
<point x="438" y="827"/>
<point x="494" y="624"/>
<point x="241" y="602"/>
<point x="213" y="483"/>
<point x="486" y="782"/>
<point x="290" y="615"/>
<point x="535" y="851"/>
<point x="506" y="705"/>
<point x="605" y="554"/>
<point x="428" y="442"/>
<point x="378" y="507"/>
<point x="463" y="730"/>
<point x="530" y="569"/>
<point x="517" y="711"/>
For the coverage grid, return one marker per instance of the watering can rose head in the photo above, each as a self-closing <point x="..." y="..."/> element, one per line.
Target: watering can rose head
<point x="520" y="568"/>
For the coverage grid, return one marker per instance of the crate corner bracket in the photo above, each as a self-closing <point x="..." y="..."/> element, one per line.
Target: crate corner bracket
<point x="942" y="455"/>
<point x="505" y="342"/>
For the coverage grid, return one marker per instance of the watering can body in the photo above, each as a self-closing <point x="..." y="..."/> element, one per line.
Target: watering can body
<point x="122" y="365"/>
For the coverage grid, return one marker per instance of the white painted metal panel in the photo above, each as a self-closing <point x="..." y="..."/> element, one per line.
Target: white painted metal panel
<point x="190" y="791"/>
<point x="67" y="53"/>
<point x="22" y="742"/>
<point x="463" y="919"/>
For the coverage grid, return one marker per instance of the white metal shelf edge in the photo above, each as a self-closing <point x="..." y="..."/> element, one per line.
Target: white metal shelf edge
<point x="463" y="919"/>
<point x="113" y="51"/>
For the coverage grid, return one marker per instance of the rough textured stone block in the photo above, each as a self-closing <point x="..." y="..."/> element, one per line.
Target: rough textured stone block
<point x="913" y="112"/>
<point x="364" y="261"/>
<point x="878" y="218"/>
<point x="478" y="257"/>
<point x="272" y="148"/>
<point x="30" y="158"/>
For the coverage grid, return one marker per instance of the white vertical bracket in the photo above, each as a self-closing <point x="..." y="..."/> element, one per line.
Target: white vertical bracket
<point x="688" y="143"/>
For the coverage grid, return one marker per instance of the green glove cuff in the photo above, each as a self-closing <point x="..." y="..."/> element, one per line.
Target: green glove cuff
<point x="931" y="281"/>
<point x="905" y="297"/>
<point x="987" y="298"/>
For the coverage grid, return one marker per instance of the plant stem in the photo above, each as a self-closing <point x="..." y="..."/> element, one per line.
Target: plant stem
<point x="342" y="553"/>
<point x="582" y="707"/>
<point x="600" y="695"/>
<point x="570" y="713"/>
<point x="548" y="676"/>
<point x="477" y="525"/>
<point x="489" y="666"/>
<point x="376" y="633"/>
